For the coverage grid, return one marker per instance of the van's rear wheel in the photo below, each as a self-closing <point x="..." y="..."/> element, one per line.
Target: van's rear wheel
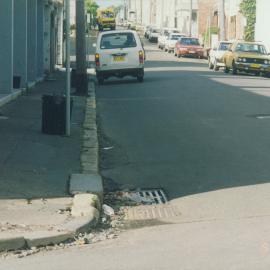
<point x="100" y="80"/>
<point x="140" y="78"/>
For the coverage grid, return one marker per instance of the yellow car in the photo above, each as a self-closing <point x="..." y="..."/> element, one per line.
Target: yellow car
<point x="251" y="57"/>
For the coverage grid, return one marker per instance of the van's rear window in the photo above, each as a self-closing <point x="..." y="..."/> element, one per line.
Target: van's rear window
<point x="118" y="40"/>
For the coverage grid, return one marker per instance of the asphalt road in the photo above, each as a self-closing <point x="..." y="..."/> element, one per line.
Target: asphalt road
<point x="194" y="133"/>
<point x="185" y="129"/>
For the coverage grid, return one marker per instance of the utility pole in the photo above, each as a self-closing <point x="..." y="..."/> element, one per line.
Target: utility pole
<point x="221" y="17"/>
<point x="67" y="11"/>
<point x="190" y="18"/>
<point x="81" y="69"/>
<point x="141" y="5"/>
<point x="175" y="13"/>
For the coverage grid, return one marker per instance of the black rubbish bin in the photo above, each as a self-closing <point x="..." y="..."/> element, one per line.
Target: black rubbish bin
<point x="16" y="82"/>
<point x="54" y="114"/>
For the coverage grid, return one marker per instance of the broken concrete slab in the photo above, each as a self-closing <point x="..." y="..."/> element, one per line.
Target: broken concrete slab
<point x="38" y="239"/>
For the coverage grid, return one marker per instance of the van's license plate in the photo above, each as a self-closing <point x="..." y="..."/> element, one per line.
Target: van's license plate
<point x="119" y="58"/>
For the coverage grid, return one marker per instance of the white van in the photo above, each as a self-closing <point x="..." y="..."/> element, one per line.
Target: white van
<point x="119" y="53"/>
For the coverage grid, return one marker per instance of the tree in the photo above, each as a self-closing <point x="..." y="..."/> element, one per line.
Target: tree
<point x="91" y="8"/>
<point x="248" y="9"/>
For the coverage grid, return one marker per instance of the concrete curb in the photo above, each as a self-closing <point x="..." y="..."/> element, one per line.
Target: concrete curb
<point x="10" y="97"/>
<point x="18" y="92"/>
<point x="86" y="187"/>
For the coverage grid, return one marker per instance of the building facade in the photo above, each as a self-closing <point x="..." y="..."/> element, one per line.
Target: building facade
<point x="164" y="13"/>
<point x="31" y="34"/>
<point x="235" y="21"/>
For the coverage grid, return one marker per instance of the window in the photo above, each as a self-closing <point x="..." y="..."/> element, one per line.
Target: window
<point x="190" y="41"/>
<point x="251" y="48"/>
<point x="224" y="46"/>
<point x="118" y="40"/>
<point x="107" y="15"/>
<point x="175" y="37"/>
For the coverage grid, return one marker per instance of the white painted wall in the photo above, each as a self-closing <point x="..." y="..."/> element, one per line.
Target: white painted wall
<point x="232" y="7"/>
<point x="263" y="22"/>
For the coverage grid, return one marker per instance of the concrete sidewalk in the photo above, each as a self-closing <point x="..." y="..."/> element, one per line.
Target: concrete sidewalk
<point x="32" y="164"/>
<point x="39" y="173"/>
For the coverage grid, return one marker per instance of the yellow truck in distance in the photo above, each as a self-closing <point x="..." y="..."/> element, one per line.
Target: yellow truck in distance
<point x="106" y="19"/>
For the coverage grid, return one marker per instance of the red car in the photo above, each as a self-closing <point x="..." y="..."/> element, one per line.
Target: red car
<point x="186" y="46"/>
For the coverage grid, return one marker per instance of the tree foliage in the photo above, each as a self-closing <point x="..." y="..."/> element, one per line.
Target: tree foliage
<point x="248" y="9"/>
<point x="91" y="7"/>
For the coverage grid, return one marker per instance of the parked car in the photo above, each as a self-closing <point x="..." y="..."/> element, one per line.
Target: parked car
<point x="187" y="46"/>
<point x="165" y="32"/>
<point x="119" y="53"/>
<point x="147" y="31"/>
<point x="153" y="35"/>
<point x="216" y="55"/>
<point x="251" y="57"/>
<point x="131" y="26"/>
<point x="171" y="41"/>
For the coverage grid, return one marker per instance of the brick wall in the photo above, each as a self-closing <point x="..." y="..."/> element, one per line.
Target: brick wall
<point x="206" y="8"/>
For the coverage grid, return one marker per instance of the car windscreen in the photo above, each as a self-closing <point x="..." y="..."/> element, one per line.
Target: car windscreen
<point x="107" y="15"/>
<point x="190" y="41"/>
<point x="250" y="48"/>
<point x="175" y="37"/>
<point x="224" y="46"/>
<point x="118" y="40"/>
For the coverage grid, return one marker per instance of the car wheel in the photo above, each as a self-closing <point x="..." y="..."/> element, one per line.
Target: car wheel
<point x="234" y="69"/>
<point x="226" y="69"/>
<point x="175" y="53"/>
<point x="210" y="65"/>
<point x="179" y="55"/>
<point x="216" y="67"/>
<point x="140" y="78"/>
<point x="100" y="80"/>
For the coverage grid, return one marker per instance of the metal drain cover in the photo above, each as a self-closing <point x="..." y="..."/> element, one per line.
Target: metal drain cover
<point x="151" y="212"/>
<point x="157" y="196"/>
<point x="154" y="206"/>
<point x="151" y="196"/>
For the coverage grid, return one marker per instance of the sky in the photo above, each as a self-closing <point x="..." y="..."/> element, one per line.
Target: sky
<point x="106" y="3"/>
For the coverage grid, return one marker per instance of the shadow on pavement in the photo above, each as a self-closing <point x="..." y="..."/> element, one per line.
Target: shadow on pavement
<point x="183" y="132"/>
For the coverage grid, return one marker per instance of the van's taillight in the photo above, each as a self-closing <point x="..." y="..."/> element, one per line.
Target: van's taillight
<point x="97" y="59"/>
<point x="141" y="57"/>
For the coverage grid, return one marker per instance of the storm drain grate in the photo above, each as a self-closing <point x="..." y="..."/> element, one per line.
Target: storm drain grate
<point x="151" y="212"/>
<point x="154" y="206"/>
<point x="156" y="196"/>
